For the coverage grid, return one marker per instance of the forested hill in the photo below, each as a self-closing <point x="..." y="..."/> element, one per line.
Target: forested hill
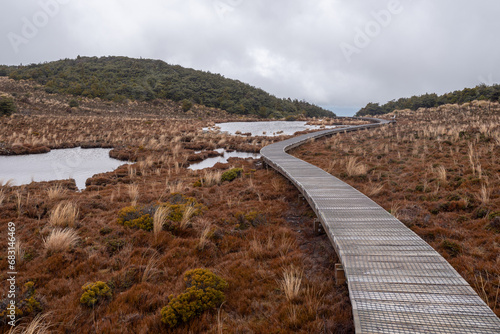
<point x="121" y="78"/>
<point x="481" y="92"/>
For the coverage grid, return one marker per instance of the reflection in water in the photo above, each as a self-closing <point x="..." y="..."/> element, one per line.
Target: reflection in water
<point x="268" y="129"/>
<point x="210" y="162"/>
<point x="74" y="163"/>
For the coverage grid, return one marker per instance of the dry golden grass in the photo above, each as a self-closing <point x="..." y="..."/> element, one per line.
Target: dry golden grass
<point x="441" y="173"/>
<point x="7" y="183"/>
<point x="291" y="283"/>
<point x="19" y="252"/>
<point x="56" y="192"/>
<point x="60" y="240"/>
<point x="205" y="235"/>
<point x="151" y="269"/>
<point x="133" y="193"/>
<point x="38" y="325"/>
<point x="355" y="168"/>
<point x="159" y="219"/>
<point x="484" y="194"/>
<point x="2" y="196"/>
<point x="186" y="217"/>
<point x="211" y="178"/>
<point x="64" y="215"/>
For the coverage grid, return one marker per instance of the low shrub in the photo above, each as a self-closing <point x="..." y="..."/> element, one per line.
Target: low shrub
<point x="95" y="292"/>
<point x="143" y="218"/>
<point x="452" y="248"/>
<point x="204" y="291"/>
<point x="26" y="305"/>
<point x="134" y="217"/>
<point x="7" y="106"/>
<point x="231" y="174"/>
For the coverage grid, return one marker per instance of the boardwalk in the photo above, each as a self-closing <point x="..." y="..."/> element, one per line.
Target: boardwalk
<point x="397" y="282"/>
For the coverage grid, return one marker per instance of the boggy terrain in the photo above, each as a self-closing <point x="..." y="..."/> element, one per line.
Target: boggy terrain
<point x="110" y="258"/>
<point x="437" y="170"/>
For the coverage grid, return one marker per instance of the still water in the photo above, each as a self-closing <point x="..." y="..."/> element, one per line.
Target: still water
<point x="269" y="129"/>
<point x="74" y="163"/>
<point x="210" y="162"/>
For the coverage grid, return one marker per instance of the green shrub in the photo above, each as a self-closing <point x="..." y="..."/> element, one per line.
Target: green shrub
<point x="7" y="106"/>
<point x="451" y="247"/>
<point x="73" y="103"/>
<point x="134" y="217"/>
<point x="27" y="303"/>
<point x="95" y="292"/>
<point x="178" y="204"/>
<point x="231" y="174"/>
<point x="186" y="105"/>
<point x="204" y="291"/>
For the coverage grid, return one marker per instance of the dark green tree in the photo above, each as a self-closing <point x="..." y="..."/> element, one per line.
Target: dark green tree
<point x="7" y="106"/>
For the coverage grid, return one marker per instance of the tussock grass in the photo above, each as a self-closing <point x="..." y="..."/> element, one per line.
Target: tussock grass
<point x="56" y="192"/>
<point x="19" y="252"/>
<point x="291" y="282"/>
<point x="159" y="219"/>
<point x="211" y="178"/>
<point x="64" y="215"/>
<point x="60" y="240"/>
<point x="151" y="269"/>
<point x="355" y="168"/>
<point x="7" y="183"/>
<point x="205" y="235"/>
<point x="441" y="173"/>
<point x="186" y="216"/>
<point x="133" y="193"/>
<point x="38" y="325"/>
<point x="484" y="194"/>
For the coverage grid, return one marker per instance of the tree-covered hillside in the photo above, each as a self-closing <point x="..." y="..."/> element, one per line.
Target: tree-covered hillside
<point x="481" y="92"/>
<point x="121" y="78"/>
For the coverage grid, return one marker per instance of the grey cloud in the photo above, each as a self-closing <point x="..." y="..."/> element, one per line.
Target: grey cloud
<point x="289" y="48"/>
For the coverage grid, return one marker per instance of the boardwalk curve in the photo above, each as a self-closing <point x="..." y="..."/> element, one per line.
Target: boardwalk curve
<point x="397" y="282"/>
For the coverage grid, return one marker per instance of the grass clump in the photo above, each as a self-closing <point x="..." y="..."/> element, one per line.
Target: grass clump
<point x="60" y="240"/>
<point x="204" y="291"/>
<point x="291" y="283"/>
<point x="95" y="292"/>
<point x="231" y="174"/>
<point x="64" y="215"/>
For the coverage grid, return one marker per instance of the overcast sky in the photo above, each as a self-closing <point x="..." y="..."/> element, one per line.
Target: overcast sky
<point x="337" y="54"/>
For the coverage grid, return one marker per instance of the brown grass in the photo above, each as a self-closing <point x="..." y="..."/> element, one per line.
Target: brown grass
<point x="159" y="220"/>
<point x="38" y="325"/>
<point x="56" y="192"/>
<point x="355" y="168"/>
<point x="218" y="238"/>
<point x="64" y="215"/>
<point x="291" y="283"/>
<point x="60" y="240"/>
<point x="437" y="171"/>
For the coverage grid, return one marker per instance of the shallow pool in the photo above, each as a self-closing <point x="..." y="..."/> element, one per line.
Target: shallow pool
<point x="210" y="162"/>
<point x="75" y="163"/>
<point x="269" y="129"/>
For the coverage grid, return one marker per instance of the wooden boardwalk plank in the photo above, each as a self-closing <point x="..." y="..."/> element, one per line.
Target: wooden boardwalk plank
<point x="397" y="282"/>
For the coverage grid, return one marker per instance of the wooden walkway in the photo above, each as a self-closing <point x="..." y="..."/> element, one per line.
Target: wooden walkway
<point x="397" y="282"/>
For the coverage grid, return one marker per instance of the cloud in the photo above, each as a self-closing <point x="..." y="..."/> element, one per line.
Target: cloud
<point x="291" y="49"/>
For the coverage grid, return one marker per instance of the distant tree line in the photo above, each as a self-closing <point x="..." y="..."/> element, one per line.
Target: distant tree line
<point x="121" y="78"/>
<point x="481" y="92"/>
